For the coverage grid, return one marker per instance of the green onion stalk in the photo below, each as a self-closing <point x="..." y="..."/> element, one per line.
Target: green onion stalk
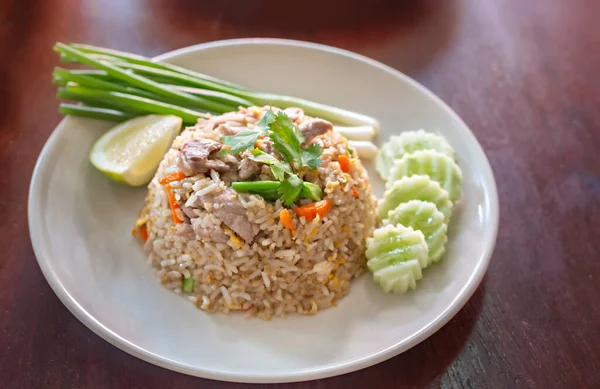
<point x="121" y="85"/>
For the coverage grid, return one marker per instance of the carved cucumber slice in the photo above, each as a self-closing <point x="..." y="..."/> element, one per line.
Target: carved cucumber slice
<point x="396" y="255"/>
<point x="438" y="166"/>
<point x="406" y="143"/>
<point x="425" y="217"/>
<point x="415" y="187"/>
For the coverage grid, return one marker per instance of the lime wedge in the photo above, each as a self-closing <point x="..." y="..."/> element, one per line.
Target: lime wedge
<point x="130" y="152"/>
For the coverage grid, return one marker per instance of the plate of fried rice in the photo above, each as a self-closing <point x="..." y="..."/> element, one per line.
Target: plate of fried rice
<point x="222" y="283"/>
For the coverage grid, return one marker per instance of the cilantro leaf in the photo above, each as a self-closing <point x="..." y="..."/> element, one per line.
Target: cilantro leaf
<point x="311" y="156"/>
<point x="277" y="167"/>
<point x="290" y="189"/>
<point x="241" y="141"/>
<point x="266" y="121"/>
<point x="287" y="138"/>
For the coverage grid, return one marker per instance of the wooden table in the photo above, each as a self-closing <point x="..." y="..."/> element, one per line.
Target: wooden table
<point x="525" y="75"/>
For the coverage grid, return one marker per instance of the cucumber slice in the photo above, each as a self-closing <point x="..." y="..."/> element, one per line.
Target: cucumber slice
<point x="406" y="143"/>
<point x="399" y="277"/>
<point x="425" y="217"/>
<point x="396" y="255"/>
<point x="416" y="187"/>
<point x="438" y="166"/>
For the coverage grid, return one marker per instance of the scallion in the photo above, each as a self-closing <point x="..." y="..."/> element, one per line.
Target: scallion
<point x="187" y="285"/>
<point x="126" y="102"/>
<point x="110" y="115"/>
<point x="143" y="73"/>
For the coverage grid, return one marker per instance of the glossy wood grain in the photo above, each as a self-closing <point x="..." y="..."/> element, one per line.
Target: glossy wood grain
<point x="523" y="74"/>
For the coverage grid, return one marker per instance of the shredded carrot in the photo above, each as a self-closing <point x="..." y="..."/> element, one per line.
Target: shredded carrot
<point x="176" y="176"/>
<point x="249" y="307"/>
<point x="144" y="233"/>
<point x="174" y="204"/>
<point x="310" y="211"/>
<point x="344" y="162"/>
<point x="286" y="220"/>
<point x="143" y="230"/>
<point x="355" y="191"/>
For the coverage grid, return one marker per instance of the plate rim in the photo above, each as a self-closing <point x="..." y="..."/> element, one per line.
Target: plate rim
<point x="123" y="344"/>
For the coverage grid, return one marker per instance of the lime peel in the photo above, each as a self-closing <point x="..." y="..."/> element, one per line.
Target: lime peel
<point x="130" y="152"/>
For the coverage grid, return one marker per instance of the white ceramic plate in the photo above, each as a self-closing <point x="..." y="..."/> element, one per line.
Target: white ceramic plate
<point x="80" y="227"/>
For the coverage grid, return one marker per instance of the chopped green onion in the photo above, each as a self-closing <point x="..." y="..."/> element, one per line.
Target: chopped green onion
<point x="187" y="285"/>
<point x="266" y="189"/>
<point x="311" y="191"/>
<point x="269" y="189"/>
<point x="255" y="186"/>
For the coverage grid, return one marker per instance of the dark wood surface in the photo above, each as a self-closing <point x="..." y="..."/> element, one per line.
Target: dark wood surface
<point x="525" y="75"/>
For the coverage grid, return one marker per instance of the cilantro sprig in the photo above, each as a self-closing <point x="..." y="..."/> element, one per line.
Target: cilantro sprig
<point x="290" y="189"/>
<point x="278" y="167"/>
<point x="297" y="159"/>
<point x="240" y="142"/>
<point x="246" y="139"/>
